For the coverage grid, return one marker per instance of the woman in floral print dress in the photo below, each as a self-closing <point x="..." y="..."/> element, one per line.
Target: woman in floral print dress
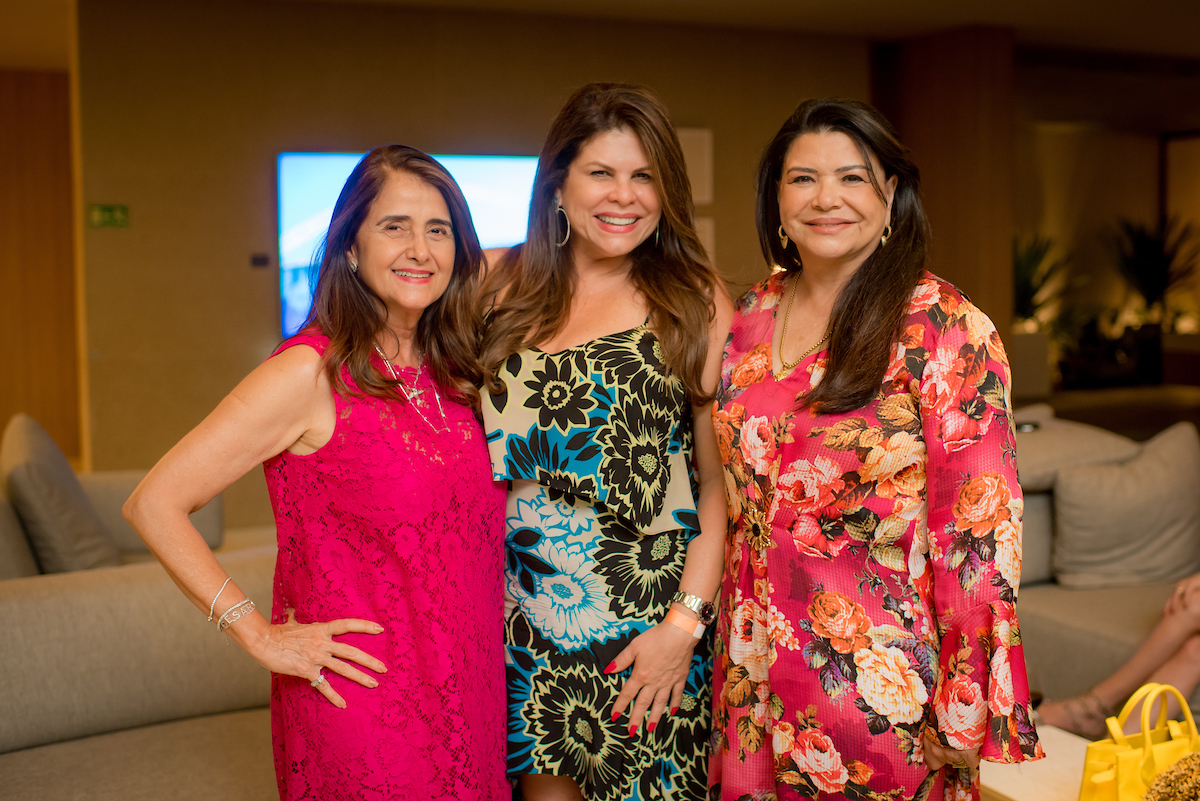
<point x="603" y="349"/>
<point x="867" y="642"/>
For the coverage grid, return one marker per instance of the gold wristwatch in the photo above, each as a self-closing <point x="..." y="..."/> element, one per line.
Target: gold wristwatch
<point x="706" y="610"/>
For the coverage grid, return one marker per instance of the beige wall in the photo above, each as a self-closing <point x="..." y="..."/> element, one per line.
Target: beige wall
<point x="1183" y="201"/>
<point x="1073" y="182"/>
<point x="186" y="104"/>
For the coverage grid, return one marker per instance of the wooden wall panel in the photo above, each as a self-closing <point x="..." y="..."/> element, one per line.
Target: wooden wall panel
<point x="951" y="98"/>
<point x="37" y="271"/>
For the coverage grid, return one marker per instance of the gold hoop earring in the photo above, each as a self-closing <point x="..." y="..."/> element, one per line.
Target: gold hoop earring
<point x="568" y="219"/>
<point x="887" y="231"/>
<point x="657" y="240"/>
<point x="783" y="239"/>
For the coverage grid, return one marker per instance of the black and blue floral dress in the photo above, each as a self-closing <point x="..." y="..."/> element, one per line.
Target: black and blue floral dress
<point x="596" y="441"/>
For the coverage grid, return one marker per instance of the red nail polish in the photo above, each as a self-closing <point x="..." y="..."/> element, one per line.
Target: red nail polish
<point x="615" y="716"/>
<point x="650" y="727"/>
<point x="632" y="730"/>
<point x="611" y="667"/>
<point x="674" y="709"/>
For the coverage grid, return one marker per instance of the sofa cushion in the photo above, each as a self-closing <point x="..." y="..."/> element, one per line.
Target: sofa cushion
<point x="62" y="527"/>
<point x="102" y="650"/>
<point x="1037" y="537"/>
<point x="16" y="560"/>
<point x="1131" y="523"/>
<point x="1056" y="444"/>
<point x="226" y="756"/>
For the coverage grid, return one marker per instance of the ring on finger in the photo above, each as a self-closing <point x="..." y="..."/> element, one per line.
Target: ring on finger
<point x="959" y="765"/>
<point x="318" y="680"/>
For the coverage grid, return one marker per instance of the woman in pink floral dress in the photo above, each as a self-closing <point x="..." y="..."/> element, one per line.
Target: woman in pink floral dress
<point x="867" y="644"/>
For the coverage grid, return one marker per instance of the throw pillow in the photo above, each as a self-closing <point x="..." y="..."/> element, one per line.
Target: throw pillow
<point x="63" y="528"/>
<point x="16" y="560"/>
<point x="1056" y="444"/>
<point x="1131" y="523"/>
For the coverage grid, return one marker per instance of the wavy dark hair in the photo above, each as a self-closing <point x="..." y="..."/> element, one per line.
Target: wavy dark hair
<point x="871" y="308"/>
<point x="352" y="315"/>
<point x="535" y="280"/>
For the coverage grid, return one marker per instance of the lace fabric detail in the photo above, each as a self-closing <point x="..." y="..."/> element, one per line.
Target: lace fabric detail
<point x="394" y="523"/>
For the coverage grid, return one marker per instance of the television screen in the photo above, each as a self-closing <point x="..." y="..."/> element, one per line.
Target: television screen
<point x="497" y="189"/>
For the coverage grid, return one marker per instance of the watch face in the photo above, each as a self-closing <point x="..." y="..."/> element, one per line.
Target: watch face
<point x="708" y="613"/>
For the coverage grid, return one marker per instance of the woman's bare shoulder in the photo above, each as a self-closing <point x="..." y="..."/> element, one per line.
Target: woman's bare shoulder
<point x="492" y="257"/>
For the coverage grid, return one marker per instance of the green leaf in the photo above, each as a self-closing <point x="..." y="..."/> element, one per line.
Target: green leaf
<point x="889" y="556"/>
<point x="750" y="734"/>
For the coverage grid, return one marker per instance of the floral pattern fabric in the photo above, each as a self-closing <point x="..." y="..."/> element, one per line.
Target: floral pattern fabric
<point x="871" y="567"/>
<point x="596" y="441"/>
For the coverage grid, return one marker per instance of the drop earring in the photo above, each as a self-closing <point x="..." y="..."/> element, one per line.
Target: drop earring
<point x="568" y="219"/>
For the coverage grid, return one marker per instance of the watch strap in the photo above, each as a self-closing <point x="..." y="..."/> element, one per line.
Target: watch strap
<point x="693" y="602"/>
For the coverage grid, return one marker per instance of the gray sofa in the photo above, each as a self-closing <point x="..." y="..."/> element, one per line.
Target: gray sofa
<point x="1087" y="598"/>
<point x="113" y="685"/>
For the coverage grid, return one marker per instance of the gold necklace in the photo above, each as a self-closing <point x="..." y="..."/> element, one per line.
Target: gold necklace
<point x="787" y="366"/>
<point x="411" y="397"/>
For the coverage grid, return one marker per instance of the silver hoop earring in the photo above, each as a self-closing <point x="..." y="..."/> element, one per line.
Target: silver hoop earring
<point x="568" y="219"/>
<point x="353" y="266"/>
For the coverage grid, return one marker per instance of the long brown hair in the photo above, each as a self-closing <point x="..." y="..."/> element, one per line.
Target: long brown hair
<point x="871" y="308"/>
<point x="352" y="315"/>
<point x="535" y="280"/>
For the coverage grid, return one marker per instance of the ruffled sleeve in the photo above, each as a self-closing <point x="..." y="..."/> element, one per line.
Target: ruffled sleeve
<point x="974" y="521"/>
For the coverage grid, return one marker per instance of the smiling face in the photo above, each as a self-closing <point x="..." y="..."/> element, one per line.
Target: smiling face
<point x="827" y="204"/>
<point x="405" y="247"/>
<point x="609" y="196"/>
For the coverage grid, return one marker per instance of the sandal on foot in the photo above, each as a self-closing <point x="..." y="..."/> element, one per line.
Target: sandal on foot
<point x="1087" y="715"/>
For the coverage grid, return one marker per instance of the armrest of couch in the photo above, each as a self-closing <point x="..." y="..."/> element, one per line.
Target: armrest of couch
<point x="109" y="489"/>
<point x="112" y="648"/>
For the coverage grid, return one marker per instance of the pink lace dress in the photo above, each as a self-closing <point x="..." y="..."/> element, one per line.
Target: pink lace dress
<point x="394" y="523"/>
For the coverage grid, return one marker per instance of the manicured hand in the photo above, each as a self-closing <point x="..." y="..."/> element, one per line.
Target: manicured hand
<point x="304" y="649"/>
<point x="661" y="658"/>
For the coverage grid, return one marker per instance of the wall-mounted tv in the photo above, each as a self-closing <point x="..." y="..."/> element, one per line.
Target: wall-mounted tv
<point x="497" y="189"/>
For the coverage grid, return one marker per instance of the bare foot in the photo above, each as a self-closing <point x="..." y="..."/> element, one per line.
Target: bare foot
<point x="1084" y="715"/>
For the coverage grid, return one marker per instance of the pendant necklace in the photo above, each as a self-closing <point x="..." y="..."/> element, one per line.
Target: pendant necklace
<point x="788" y="366"/>
<point x="412" y="395"/>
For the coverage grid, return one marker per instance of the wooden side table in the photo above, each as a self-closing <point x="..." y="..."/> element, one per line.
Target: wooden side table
<point x="1055" y="778"/>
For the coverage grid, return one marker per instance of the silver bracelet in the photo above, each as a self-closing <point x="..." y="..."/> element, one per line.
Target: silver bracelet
<point x="213" y="605"/>
<point x="235" y="613"/>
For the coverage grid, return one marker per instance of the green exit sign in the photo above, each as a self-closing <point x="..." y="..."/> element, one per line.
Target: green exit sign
<point x="107" y="215"/>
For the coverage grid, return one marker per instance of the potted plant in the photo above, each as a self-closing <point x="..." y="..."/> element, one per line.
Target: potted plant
<point x="1038" y="286"/>
<point x="1153" y="260"/>
<point x="1038" y="282"/>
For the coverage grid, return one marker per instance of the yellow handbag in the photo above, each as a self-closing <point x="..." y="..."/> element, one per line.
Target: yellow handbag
<point x="1123" y="767"/>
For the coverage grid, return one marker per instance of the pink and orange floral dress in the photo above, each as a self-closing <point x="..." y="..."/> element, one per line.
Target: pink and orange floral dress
<point x="871" y="567"/>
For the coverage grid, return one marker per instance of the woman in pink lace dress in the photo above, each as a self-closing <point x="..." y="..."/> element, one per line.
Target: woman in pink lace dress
<point x="384" y="639"/>
<point x="867" y="640"/>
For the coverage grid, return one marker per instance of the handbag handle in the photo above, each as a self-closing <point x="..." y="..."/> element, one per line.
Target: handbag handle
<point x="1159" y="693"/>
<point x="1116" y="725"/>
